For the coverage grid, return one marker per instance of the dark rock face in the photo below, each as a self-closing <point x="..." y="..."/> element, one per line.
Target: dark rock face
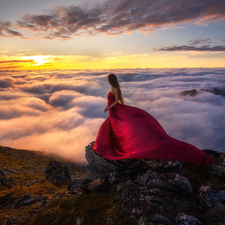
<point x="10" y="202"/>
<point x="102" y="167"/>
<point x="56" y="173"/>
<point x="190" y="93"/>
<point x="3" y="181"/>
<point x="215" y="91"/>
<point x="5" y="199"/>
<point x="205" y="197"/>
<point x="157" y="191"/>
<point x="183" y="219"/>
<point x="15" y="220"/>
<point x="194" y="92"/>
<point x="88" y="186"/>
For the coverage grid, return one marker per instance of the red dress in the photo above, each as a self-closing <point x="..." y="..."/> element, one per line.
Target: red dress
<point x="130" y="133"/>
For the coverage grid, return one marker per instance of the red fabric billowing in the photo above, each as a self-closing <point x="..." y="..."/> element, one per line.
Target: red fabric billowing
<point x="130" y="132"/>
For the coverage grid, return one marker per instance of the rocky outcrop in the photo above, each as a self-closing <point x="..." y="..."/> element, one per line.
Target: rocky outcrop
<point x="10" y="202"/>
<point x="182" y="219"/>
<point x="3" y="180"/>
<point x="88" y="186"/>
<point x="194" y="92"/>
<point x="215" y="91"/>
<point x="158" y="192"/>
<point x="56" y="173"/>
<point x="190" y="93"/>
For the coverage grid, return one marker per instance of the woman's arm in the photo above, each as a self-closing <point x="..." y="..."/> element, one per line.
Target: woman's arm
<point x="115" y="102"/>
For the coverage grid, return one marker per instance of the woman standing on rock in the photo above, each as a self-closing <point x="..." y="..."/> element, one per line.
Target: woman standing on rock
<point x="130" y="133"/>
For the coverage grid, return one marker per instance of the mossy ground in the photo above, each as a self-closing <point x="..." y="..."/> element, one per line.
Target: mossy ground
<point x="27" y="166"/>
<point x="201" y="175"/>
<point x="88" y="209"/>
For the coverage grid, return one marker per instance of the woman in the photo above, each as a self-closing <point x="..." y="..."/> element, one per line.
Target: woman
<point x="130" y="132"/>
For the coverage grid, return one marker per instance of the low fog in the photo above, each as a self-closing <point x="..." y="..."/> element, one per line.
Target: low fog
<point x="61" y="111"/>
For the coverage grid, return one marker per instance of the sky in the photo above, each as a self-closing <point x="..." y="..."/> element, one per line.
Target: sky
<point x="111" y="34"/>
<point x="55" y="56"/>
<point x="61" y="111"/>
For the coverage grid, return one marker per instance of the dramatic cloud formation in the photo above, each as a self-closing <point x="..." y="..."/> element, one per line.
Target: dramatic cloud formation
<point x="114" y="17"/>
<point x="197" y="41"/>
<point x="61" y="111"/>
<point x="194" y="45"/>
<point x="203" y="48"/>
<point x="6" y="31"/>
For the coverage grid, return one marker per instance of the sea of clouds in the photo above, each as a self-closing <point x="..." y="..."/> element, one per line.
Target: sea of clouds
<point x="61" y="111"/>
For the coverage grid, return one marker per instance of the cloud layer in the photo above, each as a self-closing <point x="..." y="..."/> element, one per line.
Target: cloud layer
<point x="61" y="111"/>
<point x="114" y="17"/>
<point x="194" y="45"/>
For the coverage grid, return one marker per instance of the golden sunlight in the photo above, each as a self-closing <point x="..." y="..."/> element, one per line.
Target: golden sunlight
<point x="38" y="59"/>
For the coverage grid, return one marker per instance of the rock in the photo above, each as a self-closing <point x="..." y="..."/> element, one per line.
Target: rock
<point x="99" y="186"/>
<point x="46" y="202"/>
<point x="182" y="183"/>
<point x="166" y="166"/>
<point x="18" y="202"/>
<point x="205" y="197"/>
<point x="129" y="183"/>
<point x="212" y="153"/>
<point x="33" y="182"/>
<point x="77" y="190"/>
<point x="5" y="198"/>
<point x="102" y="167"/>
<point x="30" y="201"/>
<point x="56" y="173"/>
<point x="219" y="196"/>
<point x="183" y="219"/>
<point x="15" y="220"/>
<point x="175" y="183"/>
<point x="99" y="165"/>
<point x="4" y="181"/>
<point x="156" y="191"/>
<point x="79" y="186"/>
<point x="217" y="212"/>
<point x="27" y="200"/>
<point x="88" y="186"/>
<point x="119" y="187"/>
<point x="190" y="93"/>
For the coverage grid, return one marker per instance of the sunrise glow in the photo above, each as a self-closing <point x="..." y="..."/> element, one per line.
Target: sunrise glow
<point x="77" y="35"/>
<point x="38" y="59"/>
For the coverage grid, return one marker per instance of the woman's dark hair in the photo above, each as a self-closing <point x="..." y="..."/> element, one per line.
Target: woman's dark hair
<point x="112" y="78"/>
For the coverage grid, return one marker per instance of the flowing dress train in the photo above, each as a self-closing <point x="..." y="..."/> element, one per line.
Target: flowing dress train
<point x="130" y="133"/>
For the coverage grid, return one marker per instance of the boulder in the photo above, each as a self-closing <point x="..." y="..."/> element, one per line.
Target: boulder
<point x="205" y="197"/>
<point x="56" y="173"/>
<point x="102" y="167"/>
<point x="122" y="170"/>
<point x="216" y="213"/>
<point x="157" y="191"/>
<point x="170" y="182"/>
<point x="4" y="199"/>
<point x="17" y="202"/>
<point x="14" y="220"/>
<point x="183" y="219"/>
<point x="4" y="181"/>
<point x="166" y="166"/>
<point x="88" y="186"/>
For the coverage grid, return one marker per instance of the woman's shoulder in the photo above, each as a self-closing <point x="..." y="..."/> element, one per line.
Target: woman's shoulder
<point x="114" y="90"/>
